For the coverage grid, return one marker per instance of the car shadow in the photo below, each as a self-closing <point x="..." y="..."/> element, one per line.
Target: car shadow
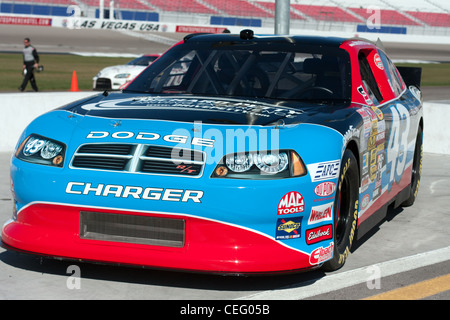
<point x="391" y="213"/>
<point x="155" y="277"/>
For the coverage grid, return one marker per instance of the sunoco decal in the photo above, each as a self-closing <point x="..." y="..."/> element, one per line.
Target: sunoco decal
<point x="288" y="228"/>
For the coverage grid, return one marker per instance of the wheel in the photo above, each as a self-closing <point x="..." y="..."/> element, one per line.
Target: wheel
<point x="416" y="170"/>
<point x="345" y="211"/>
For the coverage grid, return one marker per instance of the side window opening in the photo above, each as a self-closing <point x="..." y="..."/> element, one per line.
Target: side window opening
<point x="394" y="80"/>
<point x="368" y="79"/>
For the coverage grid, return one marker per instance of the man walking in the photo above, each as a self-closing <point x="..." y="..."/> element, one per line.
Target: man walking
<point x="30" y="62"/>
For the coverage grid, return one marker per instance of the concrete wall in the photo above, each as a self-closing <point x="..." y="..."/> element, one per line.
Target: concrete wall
<point x="17" y="110"/>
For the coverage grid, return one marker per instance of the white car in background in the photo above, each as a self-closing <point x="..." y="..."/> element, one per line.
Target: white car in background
<point x="114" y="77"/>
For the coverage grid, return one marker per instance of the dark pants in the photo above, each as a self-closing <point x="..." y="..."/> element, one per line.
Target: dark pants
<point x="29" y="77"/>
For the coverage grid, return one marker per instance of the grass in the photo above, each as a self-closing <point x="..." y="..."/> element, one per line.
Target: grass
<point x="433" y="74"/>
<point x="57" y="75"/>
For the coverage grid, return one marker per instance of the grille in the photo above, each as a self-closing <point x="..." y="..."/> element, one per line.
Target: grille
<point x="103" y="84"/>
<point x="174" y="154"/>
<point x="132" y="229"/>
<point x="105" y="163"/>
<point x="139" y="158"/>
<point x="118" y="149"/>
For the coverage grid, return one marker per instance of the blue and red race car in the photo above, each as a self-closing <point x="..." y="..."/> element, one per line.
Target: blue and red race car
<point x="232" y="153"/>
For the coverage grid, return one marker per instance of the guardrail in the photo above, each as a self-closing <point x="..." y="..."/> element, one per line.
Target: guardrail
<point x="19" y="109"/>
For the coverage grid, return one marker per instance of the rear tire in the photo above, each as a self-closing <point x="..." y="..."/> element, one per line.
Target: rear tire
<point x="345" y="211"/>
<point x="416" y="170"/>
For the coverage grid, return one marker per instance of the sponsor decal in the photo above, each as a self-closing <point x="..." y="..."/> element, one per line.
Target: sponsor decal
<point x="319" y="234"/>
<point x="288" y="228"/>
<point x="324" y="170"/>
<point x="188" y="169"/>
<point x="321" y="254"/>
<point x="321" y="213"/>
<point x="176" y="103"/>
<point x="133" y="192"/>
<point x="365" y="162"/>
<point x="364" y="94"/>
<point x="365" y="202"/>
<point x="378" y="62"/>
<point x="291" y="202"/>
<point x="378" y="113"/>
<point x="31" y="21"/>
<point x="197" y="29"/>
<point x="325" y="189"/>
<point x="150" y="136"/>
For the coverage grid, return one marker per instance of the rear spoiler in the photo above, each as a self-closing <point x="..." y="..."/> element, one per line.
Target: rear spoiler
<point x="411" y="75"/>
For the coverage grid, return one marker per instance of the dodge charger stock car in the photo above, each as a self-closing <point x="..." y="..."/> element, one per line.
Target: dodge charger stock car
<point x="230" y="154"/>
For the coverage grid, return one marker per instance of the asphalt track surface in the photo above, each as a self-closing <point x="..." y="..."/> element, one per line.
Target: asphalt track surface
<point x="410" y="249"/>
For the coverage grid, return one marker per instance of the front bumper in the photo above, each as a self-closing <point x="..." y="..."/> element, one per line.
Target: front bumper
<point x="210" y="246"/>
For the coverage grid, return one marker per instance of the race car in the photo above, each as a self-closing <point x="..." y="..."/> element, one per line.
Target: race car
<point x="230" y="154"/>
<point x="116" y="77"/>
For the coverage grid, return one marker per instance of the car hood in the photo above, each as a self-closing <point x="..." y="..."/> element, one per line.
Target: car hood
<point x="114" y="70"/>
<point x="209" y="110"/>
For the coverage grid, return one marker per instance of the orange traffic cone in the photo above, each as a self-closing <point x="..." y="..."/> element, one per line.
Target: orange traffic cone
<point x="74" y="85"/>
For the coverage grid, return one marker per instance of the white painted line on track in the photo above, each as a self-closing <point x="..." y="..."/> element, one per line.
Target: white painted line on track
<point x="336" y="281"/>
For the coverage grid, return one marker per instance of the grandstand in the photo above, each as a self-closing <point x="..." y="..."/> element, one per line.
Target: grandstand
<point x="418" y="16"/>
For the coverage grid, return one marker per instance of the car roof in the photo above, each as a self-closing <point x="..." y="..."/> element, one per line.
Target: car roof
<point x="237" y="38"/>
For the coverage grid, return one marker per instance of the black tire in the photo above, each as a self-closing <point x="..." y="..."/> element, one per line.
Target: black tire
<point x="416" y="170"/>
<point x="345" y="211"/>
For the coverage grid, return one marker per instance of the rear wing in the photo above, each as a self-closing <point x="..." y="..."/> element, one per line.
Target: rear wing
<point x="411" y="75"/>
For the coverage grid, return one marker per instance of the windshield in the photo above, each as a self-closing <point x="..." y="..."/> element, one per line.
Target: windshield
<point x="256" y="70"/>
<point x="142" y="61"/>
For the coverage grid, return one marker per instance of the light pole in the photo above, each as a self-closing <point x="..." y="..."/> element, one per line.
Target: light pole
<point x="282" y="16"/>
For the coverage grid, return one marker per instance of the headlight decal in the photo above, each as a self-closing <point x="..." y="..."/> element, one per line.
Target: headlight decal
<point x="273" y="164"/>
<point x="41" y="150"/>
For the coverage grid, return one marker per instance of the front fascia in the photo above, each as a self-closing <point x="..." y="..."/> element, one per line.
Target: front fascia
<point x="248" y="205"/>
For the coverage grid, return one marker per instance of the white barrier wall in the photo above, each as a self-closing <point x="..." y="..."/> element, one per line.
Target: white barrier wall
<point x="17" y="110"/>
<point x="436" y="134"/>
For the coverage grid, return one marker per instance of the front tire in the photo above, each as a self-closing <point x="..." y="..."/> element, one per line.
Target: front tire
<point x="345" y="211"/>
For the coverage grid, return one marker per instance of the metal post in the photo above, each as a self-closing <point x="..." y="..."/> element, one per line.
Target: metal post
<point x="111" y="9"/>
<point x="101" y="6"/>
<point x="282" y="16"/>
